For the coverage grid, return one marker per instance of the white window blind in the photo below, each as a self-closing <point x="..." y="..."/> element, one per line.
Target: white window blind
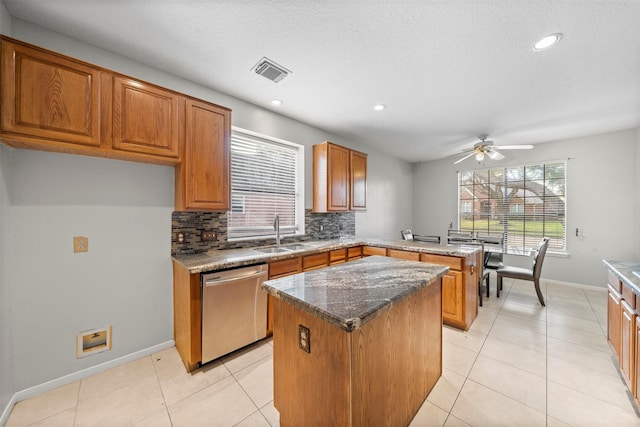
<point x="521" y="203"/>
<point x="267" y="178"/>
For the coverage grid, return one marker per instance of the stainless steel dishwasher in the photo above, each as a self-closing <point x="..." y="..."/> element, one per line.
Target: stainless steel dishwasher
<point x="234" y="310"/>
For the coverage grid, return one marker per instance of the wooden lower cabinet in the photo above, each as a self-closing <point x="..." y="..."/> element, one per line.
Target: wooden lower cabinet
<point x="627" y="343"/>
<point x="453" y="298"/>
<point x="636" y="382"/>
<point x="459" y="288"/>
<point x="614" y="314"/>
<point x="373" y="250"/>
<point x="372" y="376"/>
<point x="411" y="256"/>
<point x="354" y="253"/>
<point x="187" y="321"/>
<point x="277" y="269"/>
<point x="315" y="261"/>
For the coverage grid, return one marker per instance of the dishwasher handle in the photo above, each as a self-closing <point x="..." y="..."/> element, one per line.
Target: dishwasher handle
<point x="221" y="280"/>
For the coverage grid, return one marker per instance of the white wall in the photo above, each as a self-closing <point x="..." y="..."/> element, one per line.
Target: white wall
<point x="6" y="374"/>
<point x="125" y="209"/>
<point x="124" y="280"/>
<point x="637" y="196"/>
<point x="601" y="201"/>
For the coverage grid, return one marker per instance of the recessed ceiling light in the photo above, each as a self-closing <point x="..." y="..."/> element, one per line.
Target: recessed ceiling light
<point x="547" y="41"/>
<point x="276" y="102"/>
<point x="379" y="107"/>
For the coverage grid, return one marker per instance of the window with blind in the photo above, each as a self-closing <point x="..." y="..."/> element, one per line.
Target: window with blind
<point x="267" y="178"/>
<point x="521" y="203"/>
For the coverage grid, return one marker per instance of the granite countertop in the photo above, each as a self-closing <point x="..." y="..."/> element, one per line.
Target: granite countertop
<point x="222" y="259"/>
<point x="624" y="270"/>
<point x="349" y="295"/>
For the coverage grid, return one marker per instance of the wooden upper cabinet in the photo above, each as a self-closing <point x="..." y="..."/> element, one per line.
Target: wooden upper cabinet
<point x="48" y="98"/>
<point x="203" y="177"/>
<point x="339" y="178"/>
<point x="145" y="118"/>
<point x="358" y="163"/>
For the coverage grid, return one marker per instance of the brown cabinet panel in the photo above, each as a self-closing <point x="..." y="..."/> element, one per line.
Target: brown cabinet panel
<point x="203" y="177"/>
<point x="455" y="263"/>
<point x="49" y="97"/>
<point x="358" y="163"/>
<point x="145" y="118"/>
<point x="337" y="256"/>
<point x="354" y="253"/>
<point x="412" y="256"/>
<point x="627" y="342"/>
<point x="372" y="250"/>
<point x="315" y="261"/>
<point x="614" y="318"/>
<point x="636" y="370"/>
<point x="453" y="299"/>
<point x="285" y="267"/>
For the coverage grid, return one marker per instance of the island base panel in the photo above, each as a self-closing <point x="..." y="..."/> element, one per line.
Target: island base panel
<point x="379" y="373"/>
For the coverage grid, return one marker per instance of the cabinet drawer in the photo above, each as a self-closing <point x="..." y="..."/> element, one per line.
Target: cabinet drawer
<point x="337" y="256"/>
<point x="615" y="282"/>
<point x="370" y="250"/>
<point x="629" y="296"/>
<point x="412" y="256"/>
<point x="284" y="267"/>
<point x="454" y="263"/>
<point x="310" y="262"/>
<point x="355" y="252"/>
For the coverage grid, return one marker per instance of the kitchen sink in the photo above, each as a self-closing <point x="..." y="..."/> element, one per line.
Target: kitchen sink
<point x="296" y="246"/>
<point x="272" y="250"/>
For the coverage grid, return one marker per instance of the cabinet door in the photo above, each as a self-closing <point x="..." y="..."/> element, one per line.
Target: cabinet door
<point x="614" y="313"/>
<point x="636" y="388"/>
<point x="412" y="256"/>
<point x="338" y="178"/>
<point x="49" y="97"/>
<point x="315" y="261"/>
<point x="627" y="342"/>
<point x="452" y="299"/>
<point x="203" y="177"/>
<point x="358" y="164"/>
<point x="145" y="118"/>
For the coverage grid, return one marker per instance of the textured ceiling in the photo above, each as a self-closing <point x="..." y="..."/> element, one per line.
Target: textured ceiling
<point x="447" y="70"/>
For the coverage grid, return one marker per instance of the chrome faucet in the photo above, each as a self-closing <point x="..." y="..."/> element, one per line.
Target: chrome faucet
<point x="276" y="226"/>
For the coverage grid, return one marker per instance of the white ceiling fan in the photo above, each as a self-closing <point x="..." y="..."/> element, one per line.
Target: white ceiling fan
<point x="484" y="148"/>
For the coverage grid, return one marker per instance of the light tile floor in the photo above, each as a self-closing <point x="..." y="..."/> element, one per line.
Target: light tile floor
<point x="520" y="364"/>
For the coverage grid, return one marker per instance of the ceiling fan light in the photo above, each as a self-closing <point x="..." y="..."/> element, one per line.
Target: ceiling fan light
<point x="479" y="156"/>
<point x="493" y="155"/>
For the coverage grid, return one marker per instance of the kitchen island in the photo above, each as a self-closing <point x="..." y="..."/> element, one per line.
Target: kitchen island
<point x="357" y="344"/>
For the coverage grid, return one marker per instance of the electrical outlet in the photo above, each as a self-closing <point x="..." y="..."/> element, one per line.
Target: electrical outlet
<point x="208" y="236"/>
<point x="80" y="244"/>
<point x="180" y="237"/>
<point x="304" y="339"/>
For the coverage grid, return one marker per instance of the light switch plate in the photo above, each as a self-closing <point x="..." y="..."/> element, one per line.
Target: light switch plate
<point x="80" y="244"/>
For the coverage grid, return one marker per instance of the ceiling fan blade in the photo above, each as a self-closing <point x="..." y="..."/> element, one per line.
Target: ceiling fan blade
<point x="495" y="155"/>
<point x="514" y="147"/>
<point x="465" y="157"/>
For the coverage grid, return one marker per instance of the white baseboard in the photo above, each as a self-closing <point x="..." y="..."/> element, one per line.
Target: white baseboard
<point x="574" y="285"/>
<point x="76" y="376"/>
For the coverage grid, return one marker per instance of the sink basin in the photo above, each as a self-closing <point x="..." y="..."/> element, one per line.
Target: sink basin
<point x="295" y="246"/>
<point x="272" y="250"/>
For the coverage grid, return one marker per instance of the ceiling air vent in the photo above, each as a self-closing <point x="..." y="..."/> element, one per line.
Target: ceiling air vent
<point x="269" y="69"/>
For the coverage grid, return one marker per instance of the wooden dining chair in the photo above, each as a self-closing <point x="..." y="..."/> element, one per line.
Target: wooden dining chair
<point x="532" y="274"/>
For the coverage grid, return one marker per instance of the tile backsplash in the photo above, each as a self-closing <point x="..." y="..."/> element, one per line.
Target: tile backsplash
<point x="318" y="226"/>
